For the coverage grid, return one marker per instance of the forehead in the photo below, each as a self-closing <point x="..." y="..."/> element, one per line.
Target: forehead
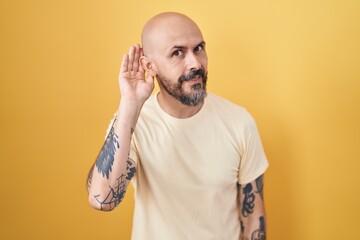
<point x="175" y="32"/>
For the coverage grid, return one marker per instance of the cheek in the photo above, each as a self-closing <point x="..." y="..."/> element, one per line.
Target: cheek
<point x="172" y="69"/>
<point x="174" y="72"/>
<point x="204" y="62"/>
<point x="169" y="74"/>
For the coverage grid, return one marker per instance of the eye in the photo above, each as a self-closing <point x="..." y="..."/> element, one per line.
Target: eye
<point x="177" y="53"/>
<point x="199" y="48"/>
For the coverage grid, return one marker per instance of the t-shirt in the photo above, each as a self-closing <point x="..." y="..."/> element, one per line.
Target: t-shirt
<point x="188" y="170"/>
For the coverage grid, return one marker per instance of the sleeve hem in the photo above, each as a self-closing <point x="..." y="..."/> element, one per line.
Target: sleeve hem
<point x="258" y="173"/>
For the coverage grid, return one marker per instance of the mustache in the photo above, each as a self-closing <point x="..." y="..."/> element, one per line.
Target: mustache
<point x="192" y="74"/>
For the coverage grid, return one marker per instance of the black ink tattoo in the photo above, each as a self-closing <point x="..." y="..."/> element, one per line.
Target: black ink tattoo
<point x="259" y="234"/>
<point x="242" y="228"/>
<point x="249" y="198"/>
<point x="260" y="186"/>
<point x="131" y="133"/>
<point x="130" y="170"/>
<point x="116" y="194"/>
<point x="90" y="177"/>
<point x="106" y="156"/>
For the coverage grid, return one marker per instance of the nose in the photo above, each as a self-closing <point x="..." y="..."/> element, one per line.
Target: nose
<point x="193" y="62"/>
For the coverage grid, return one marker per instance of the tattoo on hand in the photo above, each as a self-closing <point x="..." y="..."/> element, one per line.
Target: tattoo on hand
<point x="249" y="198"/>
<point x="260" y="186"/>
<point x="259" y="234"/>
<point x="106" y="156"/>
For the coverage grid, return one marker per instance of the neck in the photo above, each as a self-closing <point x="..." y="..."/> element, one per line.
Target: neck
<point x="176" y="109"/>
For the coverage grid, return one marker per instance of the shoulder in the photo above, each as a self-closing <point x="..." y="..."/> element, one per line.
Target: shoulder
<point x="223" y="102"/>
<point x="149" y="107"/>
<point x="225" y="107"/>
<point x="149" y="114"/>
<point x="232" y="113"/>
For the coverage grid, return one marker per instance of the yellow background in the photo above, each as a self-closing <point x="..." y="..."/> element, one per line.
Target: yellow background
<point x="295" y="65"/>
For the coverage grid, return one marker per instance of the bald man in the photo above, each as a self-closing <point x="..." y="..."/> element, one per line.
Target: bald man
<point x="195" y="160"/>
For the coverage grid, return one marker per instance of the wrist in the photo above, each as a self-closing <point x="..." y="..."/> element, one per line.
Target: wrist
<point x="129" y="111"/>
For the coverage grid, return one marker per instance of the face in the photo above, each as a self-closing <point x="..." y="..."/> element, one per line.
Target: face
<point x="196" y="81"/>
<point x="181" y="63"/>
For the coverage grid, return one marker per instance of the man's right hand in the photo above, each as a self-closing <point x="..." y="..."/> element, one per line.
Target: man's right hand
<point x="134" y="86"/>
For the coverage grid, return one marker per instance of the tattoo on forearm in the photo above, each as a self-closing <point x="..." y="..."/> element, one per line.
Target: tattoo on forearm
<point x="259" y="234"/>
<point x="130" y="170"/>
<point x="260" y="186"/>
<point x="131" y="133"/>
<point x="249" y="198"/>
<point x="106" y="156"/>
<point x="116" y="194"/>
<point x="90" y="177"/>
<point x="242" y="228"/>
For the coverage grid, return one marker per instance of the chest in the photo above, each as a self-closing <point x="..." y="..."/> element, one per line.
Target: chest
<point x="203" y="155"/>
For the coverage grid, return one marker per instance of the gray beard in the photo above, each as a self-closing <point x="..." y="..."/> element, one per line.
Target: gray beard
<point x="175" y="90"/>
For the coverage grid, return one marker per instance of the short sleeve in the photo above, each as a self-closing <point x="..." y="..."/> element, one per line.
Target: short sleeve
<point x="253" y="161"/>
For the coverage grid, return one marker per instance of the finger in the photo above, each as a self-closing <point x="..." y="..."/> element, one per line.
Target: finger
<point x="141" y="69"/>
<point x="136" y="58"/>
<point x="124" y="63"/>
<point x="131" y="58"/>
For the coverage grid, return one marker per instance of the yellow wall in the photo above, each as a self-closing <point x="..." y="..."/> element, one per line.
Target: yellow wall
<point x="294" y="64"/>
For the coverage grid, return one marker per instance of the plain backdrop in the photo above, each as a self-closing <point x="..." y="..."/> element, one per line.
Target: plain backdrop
<point x="295" y="65"/>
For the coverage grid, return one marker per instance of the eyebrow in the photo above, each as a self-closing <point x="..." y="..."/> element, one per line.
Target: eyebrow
<point x="182" y="47"/>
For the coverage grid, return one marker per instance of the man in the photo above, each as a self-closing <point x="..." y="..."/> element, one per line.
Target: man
<point x="195" y="159"/>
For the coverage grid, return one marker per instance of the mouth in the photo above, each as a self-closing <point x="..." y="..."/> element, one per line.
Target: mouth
<point x="194" y="80"/>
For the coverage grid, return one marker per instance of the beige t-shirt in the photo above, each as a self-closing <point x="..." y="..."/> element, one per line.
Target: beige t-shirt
<point x="188" y="170"/>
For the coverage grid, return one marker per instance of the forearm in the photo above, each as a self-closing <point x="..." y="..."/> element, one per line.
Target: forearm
<point x="253" y="227"/>
<point x="253" y="216"/>
<point x="112" y="170"/>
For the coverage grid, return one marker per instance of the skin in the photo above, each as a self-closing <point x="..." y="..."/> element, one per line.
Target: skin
<point x="252" y="210"/>
<point x="173" y="46"/>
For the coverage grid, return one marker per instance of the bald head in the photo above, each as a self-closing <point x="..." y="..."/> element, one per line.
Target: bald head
<point x="167" y="28"/>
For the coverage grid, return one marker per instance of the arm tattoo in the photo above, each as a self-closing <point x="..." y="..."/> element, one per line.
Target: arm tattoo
<point x="259" y="234"/>
<point x="130" y="170"/>
<point x="249" y="198"/>
<point x="117" y="193"/>
<point x="90" y="177"/>
<point x="242" y="228"/>
<point x="260" y="186"/>
<point x="106" y="156"/>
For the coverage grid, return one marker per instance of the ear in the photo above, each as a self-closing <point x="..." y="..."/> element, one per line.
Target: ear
<point x="148" y="65"/>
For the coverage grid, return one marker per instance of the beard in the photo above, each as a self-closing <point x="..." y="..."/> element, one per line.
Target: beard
<point x="198" y="90"/>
